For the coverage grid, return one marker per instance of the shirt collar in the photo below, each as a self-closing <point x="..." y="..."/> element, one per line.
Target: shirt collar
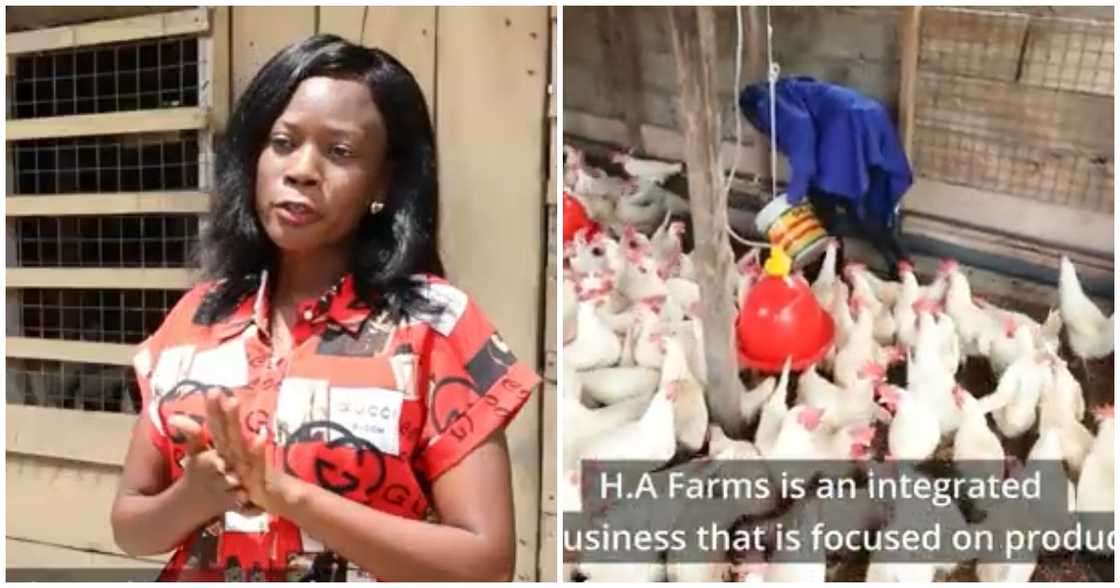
<point x="340" y="305"/>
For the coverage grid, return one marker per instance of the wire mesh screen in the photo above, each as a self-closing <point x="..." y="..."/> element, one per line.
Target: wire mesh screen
<point x="106" y="164"/>
<point x="117" y="77"/>
<point x="104" y="316"/>
<point x="63" y="384"/>
<point x="166" y="240"/>
<point x="1017" y="104"/>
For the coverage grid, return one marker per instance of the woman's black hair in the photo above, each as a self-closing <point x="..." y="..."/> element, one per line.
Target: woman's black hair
<point x="388" y="247"/>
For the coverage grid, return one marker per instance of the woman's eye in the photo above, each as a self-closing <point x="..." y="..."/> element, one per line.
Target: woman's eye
<point x="280" y="142"/>
<point x="342" y="151"/>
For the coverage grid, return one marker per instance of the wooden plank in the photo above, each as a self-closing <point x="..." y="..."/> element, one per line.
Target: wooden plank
<point x="624" y="60"/>
<point x="1062" y="226"/>
<point x="143" y="278"/>
<point x="259" y="32"/>
<point x="140" y="121"/>
<point x="59" y="502"/>
<point x="492" y="81"/>
<point x="409" y="33"/>
<point x="549" y="472"/>
<point x="668" y="144"/>
<point x="109" y="31"/>
<point x="1071" y="55"/>
<point x="34" y="561"/>
<point x="909" y="30"/>
<point x="972" y="42"/>
<point x="1013" y="113"/>
<point x="1033" y="172"/>
<point x="219" y="75"/>
<point x="344" y="21"/>
<point x="64" y="350"/>
<point x="33" y="430"/>
<point x="185" y="202"/>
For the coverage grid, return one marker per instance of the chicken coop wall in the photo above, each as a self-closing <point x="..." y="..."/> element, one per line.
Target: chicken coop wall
<point x="1013" y="137"/>
<point x="114" y="199"/>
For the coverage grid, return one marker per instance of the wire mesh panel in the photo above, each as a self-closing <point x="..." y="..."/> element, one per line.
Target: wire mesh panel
<point x="104" y="316"/>
<point x="149" y="74"/>
<point x="106" y="164"/>
<point x="64" y="384"/>
<point x="1018" y="105"/>
<point x="166" y="240"/>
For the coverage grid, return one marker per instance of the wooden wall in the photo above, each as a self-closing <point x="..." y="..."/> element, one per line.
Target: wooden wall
<point x="485" y="73"/>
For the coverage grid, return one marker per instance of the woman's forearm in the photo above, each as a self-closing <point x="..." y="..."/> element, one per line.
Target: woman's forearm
<point x="394" y="548"/>
<point x="155" y="524"/>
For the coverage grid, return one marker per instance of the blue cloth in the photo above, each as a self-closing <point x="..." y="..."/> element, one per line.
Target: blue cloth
<point x="838" y="142"/>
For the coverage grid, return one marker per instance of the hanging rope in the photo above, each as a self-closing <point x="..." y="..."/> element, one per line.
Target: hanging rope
<point x="774" y="70"/>
<point x="739" y="125"/>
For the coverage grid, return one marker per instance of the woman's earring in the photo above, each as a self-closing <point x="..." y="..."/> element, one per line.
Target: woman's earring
<point x="376" y="206"/>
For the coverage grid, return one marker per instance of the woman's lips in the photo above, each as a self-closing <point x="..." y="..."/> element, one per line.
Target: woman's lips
<point x="296" y="214"/>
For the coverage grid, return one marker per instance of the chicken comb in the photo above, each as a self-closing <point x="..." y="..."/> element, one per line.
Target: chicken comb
<point x="810" y="417"/>
<point x="1103" y="412"/>
<point x="905" y="267"/>
<point x="948" y="266"/>
<point x="676" y="228"/>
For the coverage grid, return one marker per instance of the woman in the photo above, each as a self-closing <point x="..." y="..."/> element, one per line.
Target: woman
<point x="325" y="406"/>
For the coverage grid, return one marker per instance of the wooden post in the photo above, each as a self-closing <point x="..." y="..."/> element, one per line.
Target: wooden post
<point x="694" y="47"/>
<point x="909" y="37"/>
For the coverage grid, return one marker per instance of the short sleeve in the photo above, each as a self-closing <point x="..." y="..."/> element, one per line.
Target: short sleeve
<point x="153" y="356"/>
<point x="476" y="386"/>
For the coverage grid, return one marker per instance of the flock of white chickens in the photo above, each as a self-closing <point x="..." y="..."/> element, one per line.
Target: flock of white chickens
<point x="633" y="376"/>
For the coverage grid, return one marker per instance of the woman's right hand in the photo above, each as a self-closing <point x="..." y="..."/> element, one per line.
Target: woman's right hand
<point x="210" y="485"/>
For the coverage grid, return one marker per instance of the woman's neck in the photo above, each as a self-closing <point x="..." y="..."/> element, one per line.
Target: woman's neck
<point x="307" y="275"/>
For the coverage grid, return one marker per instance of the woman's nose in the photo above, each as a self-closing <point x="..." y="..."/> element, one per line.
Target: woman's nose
<point x="303" y="168"/>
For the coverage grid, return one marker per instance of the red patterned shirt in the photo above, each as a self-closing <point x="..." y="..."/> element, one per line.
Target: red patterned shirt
<point x="370" y="409"/>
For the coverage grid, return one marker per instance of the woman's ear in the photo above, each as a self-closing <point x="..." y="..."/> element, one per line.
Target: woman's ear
<point x="384" y="182"/>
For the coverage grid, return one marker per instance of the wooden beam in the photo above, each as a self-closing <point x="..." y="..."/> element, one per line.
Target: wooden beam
<point x="63" y="350"/>
<point x="33" y="430"/>
<point x="220" y="71"/>
<point x="140" y="121"/>
<point x="909" y="37"/>
<point x="186" y="202"/>
<point x="694" y="48"/>
<point x="183" y="22"/>
<point x="1054" y="224"/>
<point x="143" y="278"/>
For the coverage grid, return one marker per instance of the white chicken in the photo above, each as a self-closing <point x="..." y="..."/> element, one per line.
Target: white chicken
<point x="1096" y="488"/>
<point x="773" y="413"/>
<point x="974" y="439"/>
<point x="614" y="384"/>
<point x="975" y="327"/>
<point x="690" y="409"/>
<point x="643" y="204"/>
<point x="751" y="403"/>
<point x="595" y="344"/>
<point x="861" y="356"/>
<point x="905" y="317"/>
<point x="913" y="435"/>
<point x="796" y="435"/>
<point x="1014" y="402"/>
<point x="649" y="169"/>
<point x="669" y="251"/>
<point x="824" y="287"/>
<point x="1089" y="331"/>
<point x="864" y="290"/>
<point x="1061" y="408"/>
<point x="652" y="437"/>
<point x="854" y="406"/>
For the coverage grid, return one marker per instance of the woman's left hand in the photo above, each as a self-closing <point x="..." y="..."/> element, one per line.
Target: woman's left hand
<point x="251" y="458"/>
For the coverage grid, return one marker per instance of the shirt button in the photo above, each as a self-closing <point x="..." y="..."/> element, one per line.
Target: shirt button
<point x="308" y="314"/>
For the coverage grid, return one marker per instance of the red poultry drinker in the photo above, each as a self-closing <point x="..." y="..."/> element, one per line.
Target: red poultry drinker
<point x="781" y="318"/>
